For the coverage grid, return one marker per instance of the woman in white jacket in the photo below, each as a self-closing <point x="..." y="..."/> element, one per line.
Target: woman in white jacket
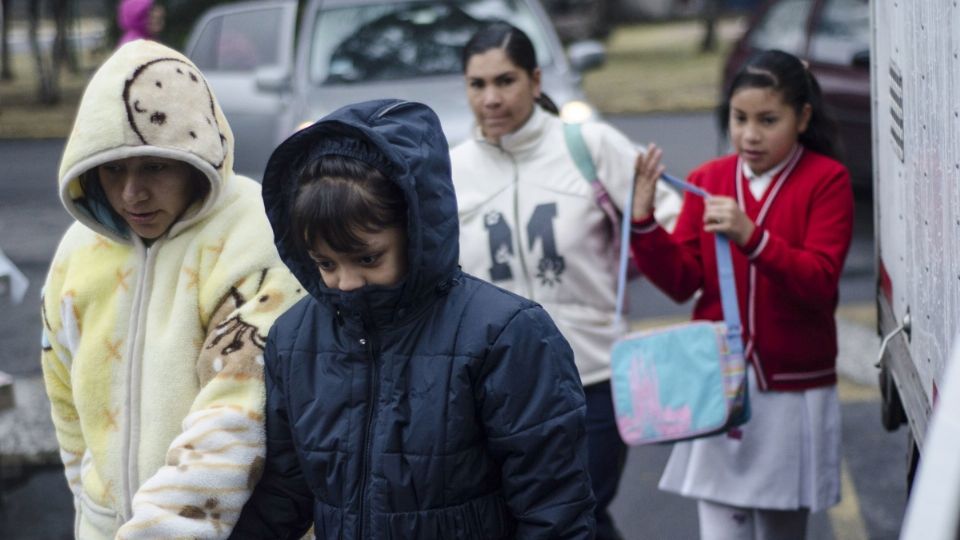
<point x="530" y="222"/>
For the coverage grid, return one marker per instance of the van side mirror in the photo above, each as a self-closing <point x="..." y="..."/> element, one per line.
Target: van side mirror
<point x="586" y="55"/>
<point x="862" y="58"/>
<point x="273" y="79"/>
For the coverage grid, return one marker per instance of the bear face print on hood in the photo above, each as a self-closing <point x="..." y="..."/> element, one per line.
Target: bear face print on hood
<point x="405" y="142"/>
<point x="146" y="100"/>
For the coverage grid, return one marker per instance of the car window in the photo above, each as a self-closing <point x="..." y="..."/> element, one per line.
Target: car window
<point x="403" y="40"/>
<point x="241" y="41"/>
<point x="782" y="27"/>
<point x="841" y="31"/>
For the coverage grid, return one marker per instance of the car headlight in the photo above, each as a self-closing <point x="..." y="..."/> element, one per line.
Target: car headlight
<point x="576" y="112"/>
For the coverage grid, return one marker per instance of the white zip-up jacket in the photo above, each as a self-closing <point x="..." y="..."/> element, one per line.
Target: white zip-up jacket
<point x="153" y="354"/>
<point x="530" y="223"/>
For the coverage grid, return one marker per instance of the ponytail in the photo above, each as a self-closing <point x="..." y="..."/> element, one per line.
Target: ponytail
<point x="547" y="104"/>
<point x="821" y="133"/>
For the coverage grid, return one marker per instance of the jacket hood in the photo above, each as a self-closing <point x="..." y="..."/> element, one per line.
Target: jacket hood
<point x="133" y="16"/>
<point x="145" y="100"/>
<point x="405" y="142"/>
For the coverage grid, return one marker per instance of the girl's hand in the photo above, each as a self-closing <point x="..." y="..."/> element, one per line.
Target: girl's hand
<point x="648" y="170"/>
<point x="723" y="215"/>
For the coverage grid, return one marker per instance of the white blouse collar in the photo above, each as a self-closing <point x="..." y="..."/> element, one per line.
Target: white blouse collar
<point x="769" y="175"/>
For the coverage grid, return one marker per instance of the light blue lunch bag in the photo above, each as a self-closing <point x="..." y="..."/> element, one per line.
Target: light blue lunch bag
<point x="682" y="381"/>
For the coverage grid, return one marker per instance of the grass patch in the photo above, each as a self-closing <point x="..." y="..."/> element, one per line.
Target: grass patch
<point x="21" y="113"/>
<point x="23" y="116"/>
<point x="653" y="67"/>
<point x="658" y="67"/>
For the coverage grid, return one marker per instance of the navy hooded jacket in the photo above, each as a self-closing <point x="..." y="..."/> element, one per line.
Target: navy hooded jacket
<point x="441" y="407"/>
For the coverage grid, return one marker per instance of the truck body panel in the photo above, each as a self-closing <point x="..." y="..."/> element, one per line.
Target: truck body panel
<point x="915" y="77"/>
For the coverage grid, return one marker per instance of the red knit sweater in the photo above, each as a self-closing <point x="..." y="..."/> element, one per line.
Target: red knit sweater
<point x="787" y="275"/>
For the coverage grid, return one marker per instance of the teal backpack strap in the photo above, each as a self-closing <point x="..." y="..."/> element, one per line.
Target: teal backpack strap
<point x="621" y="238"/>
<point x="579" y="152"/>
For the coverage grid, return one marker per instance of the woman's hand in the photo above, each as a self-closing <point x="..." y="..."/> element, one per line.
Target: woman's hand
<point x="723" y="215"/>
<point x="647" y="171"/>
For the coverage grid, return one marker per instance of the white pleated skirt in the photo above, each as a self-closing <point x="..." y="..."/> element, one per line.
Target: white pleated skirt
<point x="786" y="457"/>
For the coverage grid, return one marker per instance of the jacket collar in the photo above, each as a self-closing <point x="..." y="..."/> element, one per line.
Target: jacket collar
<point x="527" y="137"/>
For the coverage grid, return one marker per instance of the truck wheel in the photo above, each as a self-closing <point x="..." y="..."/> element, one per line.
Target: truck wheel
<point x="892" y="415"/>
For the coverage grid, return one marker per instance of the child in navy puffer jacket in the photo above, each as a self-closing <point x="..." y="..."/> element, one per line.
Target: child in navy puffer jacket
<point x="405" y="399"/>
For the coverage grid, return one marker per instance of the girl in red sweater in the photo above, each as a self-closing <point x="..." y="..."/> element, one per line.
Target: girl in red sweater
<point x="786" y="205"/>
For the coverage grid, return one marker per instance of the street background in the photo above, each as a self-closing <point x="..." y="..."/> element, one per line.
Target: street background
<point x="34" y="502"/>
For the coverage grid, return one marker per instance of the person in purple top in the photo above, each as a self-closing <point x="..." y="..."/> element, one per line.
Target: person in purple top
<point x="139" y="19"/>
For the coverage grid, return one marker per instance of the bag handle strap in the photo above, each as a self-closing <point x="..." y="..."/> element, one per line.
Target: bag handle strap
<point x="728" y="286"/>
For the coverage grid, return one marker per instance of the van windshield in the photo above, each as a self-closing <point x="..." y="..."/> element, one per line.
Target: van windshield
<point x="406" y="40"/>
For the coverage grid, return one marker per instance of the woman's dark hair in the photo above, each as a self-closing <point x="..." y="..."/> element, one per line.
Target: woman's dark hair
<point x="785" y="73"/>
<point x="515" y="44"/>
<point x="339" y="196"/>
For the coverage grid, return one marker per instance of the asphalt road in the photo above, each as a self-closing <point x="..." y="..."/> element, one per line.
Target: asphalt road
<point x="35" y="504"/>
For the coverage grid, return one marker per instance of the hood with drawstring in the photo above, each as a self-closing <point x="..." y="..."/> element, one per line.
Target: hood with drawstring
<point x="440" y="407"/>
<point x="152" y="351"/>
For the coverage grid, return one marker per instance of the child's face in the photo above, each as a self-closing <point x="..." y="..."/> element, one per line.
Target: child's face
<point x="149" y="193"/>
<point x="501" y="94"/>
<point x="382" y="262"/>
<point x="763" y="128"/>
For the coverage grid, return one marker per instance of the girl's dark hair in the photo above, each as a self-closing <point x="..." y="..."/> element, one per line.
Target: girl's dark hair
<point x="339" y="196"/>
<point x="515" y="44"/>
<point x="786" y="74"/>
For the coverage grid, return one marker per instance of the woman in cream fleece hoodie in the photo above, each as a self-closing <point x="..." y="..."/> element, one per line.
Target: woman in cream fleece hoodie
<point x="156" y="307"/>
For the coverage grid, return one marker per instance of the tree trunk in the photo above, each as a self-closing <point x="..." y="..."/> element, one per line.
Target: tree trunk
<point x="6" y="70"/>
<point x="47" y="88"/>
<point x="711" y="9"/>
<point x="62" y="50"/>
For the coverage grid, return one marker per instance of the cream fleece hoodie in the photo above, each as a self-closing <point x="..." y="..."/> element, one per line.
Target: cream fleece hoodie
<point x="152" y="354"/>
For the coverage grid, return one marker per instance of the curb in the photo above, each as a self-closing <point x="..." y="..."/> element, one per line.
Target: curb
<point x="29" y="437"/>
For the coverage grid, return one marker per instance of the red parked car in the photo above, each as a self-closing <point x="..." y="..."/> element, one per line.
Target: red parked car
<point x="834" y="37"/>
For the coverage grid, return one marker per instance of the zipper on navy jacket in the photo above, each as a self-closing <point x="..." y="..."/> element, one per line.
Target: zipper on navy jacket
<point x="367" y="434"/>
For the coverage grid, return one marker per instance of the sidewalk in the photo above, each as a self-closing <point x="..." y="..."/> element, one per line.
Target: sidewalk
<point x="28" y="436"/>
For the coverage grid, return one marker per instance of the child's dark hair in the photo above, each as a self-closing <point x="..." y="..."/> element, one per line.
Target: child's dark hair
<point x="515" y="44"/>
<point x="786" y="74"/>
<point x="339" y="196"/>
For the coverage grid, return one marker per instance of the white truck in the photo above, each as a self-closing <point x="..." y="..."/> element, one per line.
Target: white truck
<point x="915" y="81"/>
